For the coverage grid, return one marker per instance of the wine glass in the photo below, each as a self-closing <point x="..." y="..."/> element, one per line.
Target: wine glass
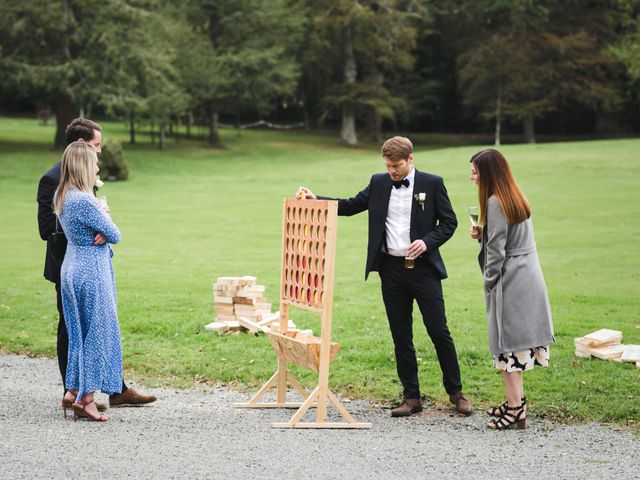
<point x="474" y="213"/>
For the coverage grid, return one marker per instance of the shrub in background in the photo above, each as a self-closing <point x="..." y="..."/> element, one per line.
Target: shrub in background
<point x="113" y="165"/>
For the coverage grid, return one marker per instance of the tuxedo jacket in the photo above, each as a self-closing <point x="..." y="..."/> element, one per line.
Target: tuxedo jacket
<point x="47" y="220"/>
<point x="434" y="224"/>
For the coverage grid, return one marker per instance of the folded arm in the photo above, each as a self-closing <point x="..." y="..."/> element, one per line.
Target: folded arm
<point x="95" y="218"/>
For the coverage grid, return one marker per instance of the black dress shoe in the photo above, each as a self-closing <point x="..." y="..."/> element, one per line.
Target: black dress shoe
<point x="407" y="408"/>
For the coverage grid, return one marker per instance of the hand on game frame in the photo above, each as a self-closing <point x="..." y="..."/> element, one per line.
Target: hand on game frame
<point x="304" y="192"/>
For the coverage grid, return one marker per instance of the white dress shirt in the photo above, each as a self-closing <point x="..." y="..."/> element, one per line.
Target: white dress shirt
<point x="398" y="222"/>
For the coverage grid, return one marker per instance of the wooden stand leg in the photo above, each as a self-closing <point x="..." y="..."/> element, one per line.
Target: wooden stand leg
<point x="279" y="378"/>
<point x="322" y="423"/>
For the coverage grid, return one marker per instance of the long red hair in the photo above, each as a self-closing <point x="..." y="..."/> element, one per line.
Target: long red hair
<point x="495" y="178"/>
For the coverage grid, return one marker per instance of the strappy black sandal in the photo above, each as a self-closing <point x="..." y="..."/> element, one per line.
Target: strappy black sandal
<point x="500" y="410"/>
<point x="512" y="417"/>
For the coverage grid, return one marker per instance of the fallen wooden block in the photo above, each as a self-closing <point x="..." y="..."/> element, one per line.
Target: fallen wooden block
<point x="604" y="336"/>
<point x="631" y="354"/>
<point x="233" y="325"/>
<point x="249" y="324"/>
<point x="269" y="318"/>
<point x="217" y="327"/>
<point x="608" y="352"/>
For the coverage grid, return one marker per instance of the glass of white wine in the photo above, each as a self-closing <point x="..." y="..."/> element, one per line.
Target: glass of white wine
<point x="474" y="213"/>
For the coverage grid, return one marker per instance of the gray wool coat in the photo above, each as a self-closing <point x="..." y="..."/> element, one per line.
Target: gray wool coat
<point x="518" y="311"/>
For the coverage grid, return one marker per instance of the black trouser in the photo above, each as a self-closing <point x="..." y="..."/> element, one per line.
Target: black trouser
<point x="63" y="342"/>
<point x="400" y="286"/>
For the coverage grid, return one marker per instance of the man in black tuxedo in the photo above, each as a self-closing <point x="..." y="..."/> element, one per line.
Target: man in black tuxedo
<point x="410" y="217"/>
<point x="80" y="129"/>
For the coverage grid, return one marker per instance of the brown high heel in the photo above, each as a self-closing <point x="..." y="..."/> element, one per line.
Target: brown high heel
<point x="500" y="410"/>
<point x="512" y="417"/>
<point x="66" y="404"/>
<point x="80" y="411"/>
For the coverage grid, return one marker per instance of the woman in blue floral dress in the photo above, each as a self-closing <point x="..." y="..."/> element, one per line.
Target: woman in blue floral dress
<point x="88" y="285"/>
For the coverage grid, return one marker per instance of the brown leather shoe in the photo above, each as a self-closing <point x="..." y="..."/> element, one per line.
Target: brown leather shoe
<point x="130" y="398"/>
<point x="407" y="408"/>
<point x="462" y="403"/>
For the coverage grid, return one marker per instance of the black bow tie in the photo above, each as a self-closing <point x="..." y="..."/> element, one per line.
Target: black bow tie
<point x="404" y="182"/>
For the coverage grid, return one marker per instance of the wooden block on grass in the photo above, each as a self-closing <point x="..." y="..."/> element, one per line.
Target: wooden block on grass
<point x="608" y="352"/>
<point x="631" y="354"/>
<point x="225" y="318"/>
<point x="217" y="327"/>
<point x="604" y="336"/>
<point x="233" y="325"/>
<point x="267" y="319"/>
<point x="249" y="324"/>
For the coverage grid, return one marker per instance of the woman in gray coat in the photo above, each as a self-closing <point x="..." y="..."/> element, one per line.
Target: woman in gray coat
<point x="518" y="312"/>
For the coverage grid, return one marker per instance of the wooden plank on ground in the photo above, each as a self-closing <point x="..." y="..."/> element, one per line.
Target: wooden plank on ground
<point x="217" y="327"/>
<point x="604" y="336"/>
<point x="608" y="352"/>
<point x="249" y="324"/>
<point x="631" y="354"/>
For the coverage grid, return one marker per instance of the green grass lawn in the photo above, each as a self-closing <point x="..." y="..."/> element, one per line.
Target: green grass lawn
<point x="190" y="214"/>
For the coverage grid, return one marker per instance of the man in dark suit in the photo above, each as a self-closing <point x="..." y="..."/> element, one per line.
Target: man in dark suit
<point x="410" y="217"/>
<point x="80" y="129"/>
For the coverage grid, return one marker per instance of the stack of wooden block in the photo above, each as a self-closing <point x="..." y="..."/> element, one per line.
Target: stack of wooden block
<point x="607" y="345"/>
<point x="241" y="306"/>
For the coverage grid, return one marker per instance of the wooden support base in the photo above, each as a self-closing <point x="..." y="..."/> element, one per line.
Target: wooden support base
<point x="321" y="425"/>
<point x="268" y="405"/>
<point x="320" y="422"/>
<point x="255" y="400"/>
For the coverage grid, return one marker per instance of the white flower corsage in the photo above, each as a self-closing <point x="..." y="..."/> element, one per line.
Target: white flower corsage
<point x="99" y="183"/>
<point x="420" y="198"/>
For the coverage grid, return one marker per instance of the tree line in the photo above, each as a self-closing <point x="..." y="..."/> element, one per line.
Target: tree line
<point x="360" y="65"/>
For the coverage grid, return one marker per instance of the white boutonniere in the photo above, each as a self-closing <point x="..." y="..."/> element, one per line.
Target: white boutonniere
<point x="420" y="198"/>
<point x="98" y="183"/>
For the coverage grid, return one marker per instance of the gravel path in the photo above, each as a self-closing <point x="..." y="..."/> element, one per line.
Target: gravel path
<point x="197" y="434"/>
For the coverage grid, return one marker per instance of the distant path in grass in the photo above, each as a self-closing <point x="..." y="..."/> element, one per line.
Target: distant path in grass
<point x="197" y="434"/>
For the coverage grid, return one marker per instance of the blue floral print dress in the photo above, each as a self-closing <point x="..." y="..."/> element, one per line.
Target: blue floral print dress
<point x="89" y="297"/>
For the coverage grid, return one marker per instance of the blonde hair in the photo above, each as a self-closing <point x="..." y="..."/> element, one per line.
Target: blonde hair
<point x="77" y="171"/>
<point x="397" y="148"/>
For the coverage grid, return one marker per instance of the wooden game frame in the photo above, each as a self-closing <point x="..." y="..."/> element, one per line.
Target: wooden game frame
<point x="306" y="282"/>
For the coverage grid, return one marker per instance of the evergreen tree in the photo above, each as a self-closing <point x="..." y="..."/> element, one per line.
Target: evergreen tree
<point x="74" y="54"/>
<point x="240" y="56"/>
